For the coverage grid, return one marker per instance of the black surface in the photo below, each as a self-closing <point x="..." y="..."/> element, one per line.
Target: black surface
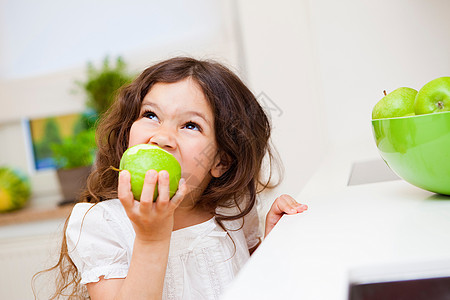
<point x="421" y="289"/>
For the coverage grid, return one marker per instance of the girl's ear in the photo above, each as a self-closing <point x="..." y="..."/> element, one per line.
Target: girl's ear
<point x="222" y="163"/>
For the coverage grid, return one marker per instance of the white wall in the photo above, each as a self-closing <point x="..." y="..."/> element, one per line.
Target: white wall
<point x="365" y="47"/>
<point x="45" y="45"/>
<point x="281" y="61"/>
<point x="46" y="36"/>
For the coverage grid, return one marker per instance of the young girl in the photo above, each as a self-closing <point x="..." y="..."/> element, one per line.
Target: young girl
<point x="192" y="245"/>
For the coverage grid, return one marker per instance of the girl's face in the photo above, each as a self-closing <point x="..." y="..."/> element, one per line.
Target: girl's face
<point x="177" y="117"/>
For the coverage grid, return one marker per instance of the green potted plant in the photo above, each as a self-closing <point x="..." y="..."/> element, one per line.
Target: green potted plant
<point x="75" y="155"/>
<point x="102" y="84"/>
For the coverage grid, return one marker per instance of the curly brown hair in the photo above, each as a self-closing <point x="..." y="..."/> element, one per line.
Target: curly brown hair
<point x="242" y="131"/>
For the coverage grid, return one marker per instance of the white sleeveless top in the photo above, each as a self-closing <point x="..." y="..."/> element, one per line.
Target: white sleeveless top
<point x="202" y="258"/>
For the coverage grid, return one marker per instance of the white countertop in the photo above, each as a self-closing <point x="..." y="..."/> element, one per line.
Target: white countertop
<point x="383" y="231"/>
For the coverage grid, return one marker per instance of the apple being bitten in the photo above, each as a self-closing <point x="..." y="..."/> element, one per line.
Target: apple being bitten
<point x="143" y="157"/>
<point x="433" y="97"/>
<point x="398" y="103"/>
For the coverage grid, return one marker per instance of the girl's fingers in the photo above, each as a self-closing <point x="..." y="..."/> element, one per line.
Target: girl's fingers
<point x="181" y="192"/>
<point x="124" y="190"/>
<point x="286" y="204"/>
<point x="301" y="207"/>
<point x="152" y="180"/>
<point x="163" y="188"/>
<point x="295" y="208"/>
<point x="148" y="190"/>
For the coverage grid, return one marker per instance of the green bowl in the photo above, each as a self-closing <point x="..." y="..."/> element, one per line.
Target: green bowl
<point x="417" y="149"/>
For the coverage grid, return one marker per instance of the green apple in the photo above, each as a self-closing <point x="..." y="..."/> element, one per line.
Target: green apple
<point x="143" y="157"/>
<point x="433" y="97"/>
<point x="398" y="103"/>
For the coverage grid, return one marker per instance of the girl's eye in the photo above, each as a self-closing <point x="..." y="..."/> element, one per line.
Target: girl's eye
<point x="149" y="114"/>
<point x="192" y="126"/>
<point x="189" y="125"/>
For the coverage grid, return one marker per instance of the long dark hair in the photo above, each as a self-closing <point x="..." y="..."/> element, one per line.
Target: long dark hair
<point x="242" y="131"/>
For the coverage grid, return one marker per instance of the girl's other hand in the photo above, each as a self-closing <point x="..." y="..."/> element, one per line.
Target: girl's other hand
<point x="284" y="204"/>
<point x="152" y="221"/>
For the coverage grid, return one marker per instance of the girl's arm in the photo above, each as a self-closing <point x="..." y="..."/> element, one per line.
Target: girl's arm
<point x="153" y="224"/>
<point x="145" y="276"/>
<point x="284" y="204"/>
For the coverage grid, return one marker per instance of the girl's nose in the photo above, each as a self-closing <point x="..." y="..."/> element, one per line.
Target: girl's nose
<point x="163" y="138"/>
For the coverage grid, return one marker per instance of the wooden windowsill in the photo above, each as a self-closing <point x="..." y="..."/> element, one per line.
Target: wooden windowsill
<point x="39" y="209"/>
<point x="34" y="215"/>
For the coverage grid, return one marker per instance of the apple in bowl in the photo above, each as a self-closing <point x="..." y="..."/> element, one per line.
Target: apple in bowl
<point x="416" y="147"/>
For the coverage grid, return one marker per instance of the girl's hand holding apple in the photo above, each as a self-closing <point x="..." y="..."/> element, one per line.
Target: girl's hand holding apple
<point x="152" y="221"/>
